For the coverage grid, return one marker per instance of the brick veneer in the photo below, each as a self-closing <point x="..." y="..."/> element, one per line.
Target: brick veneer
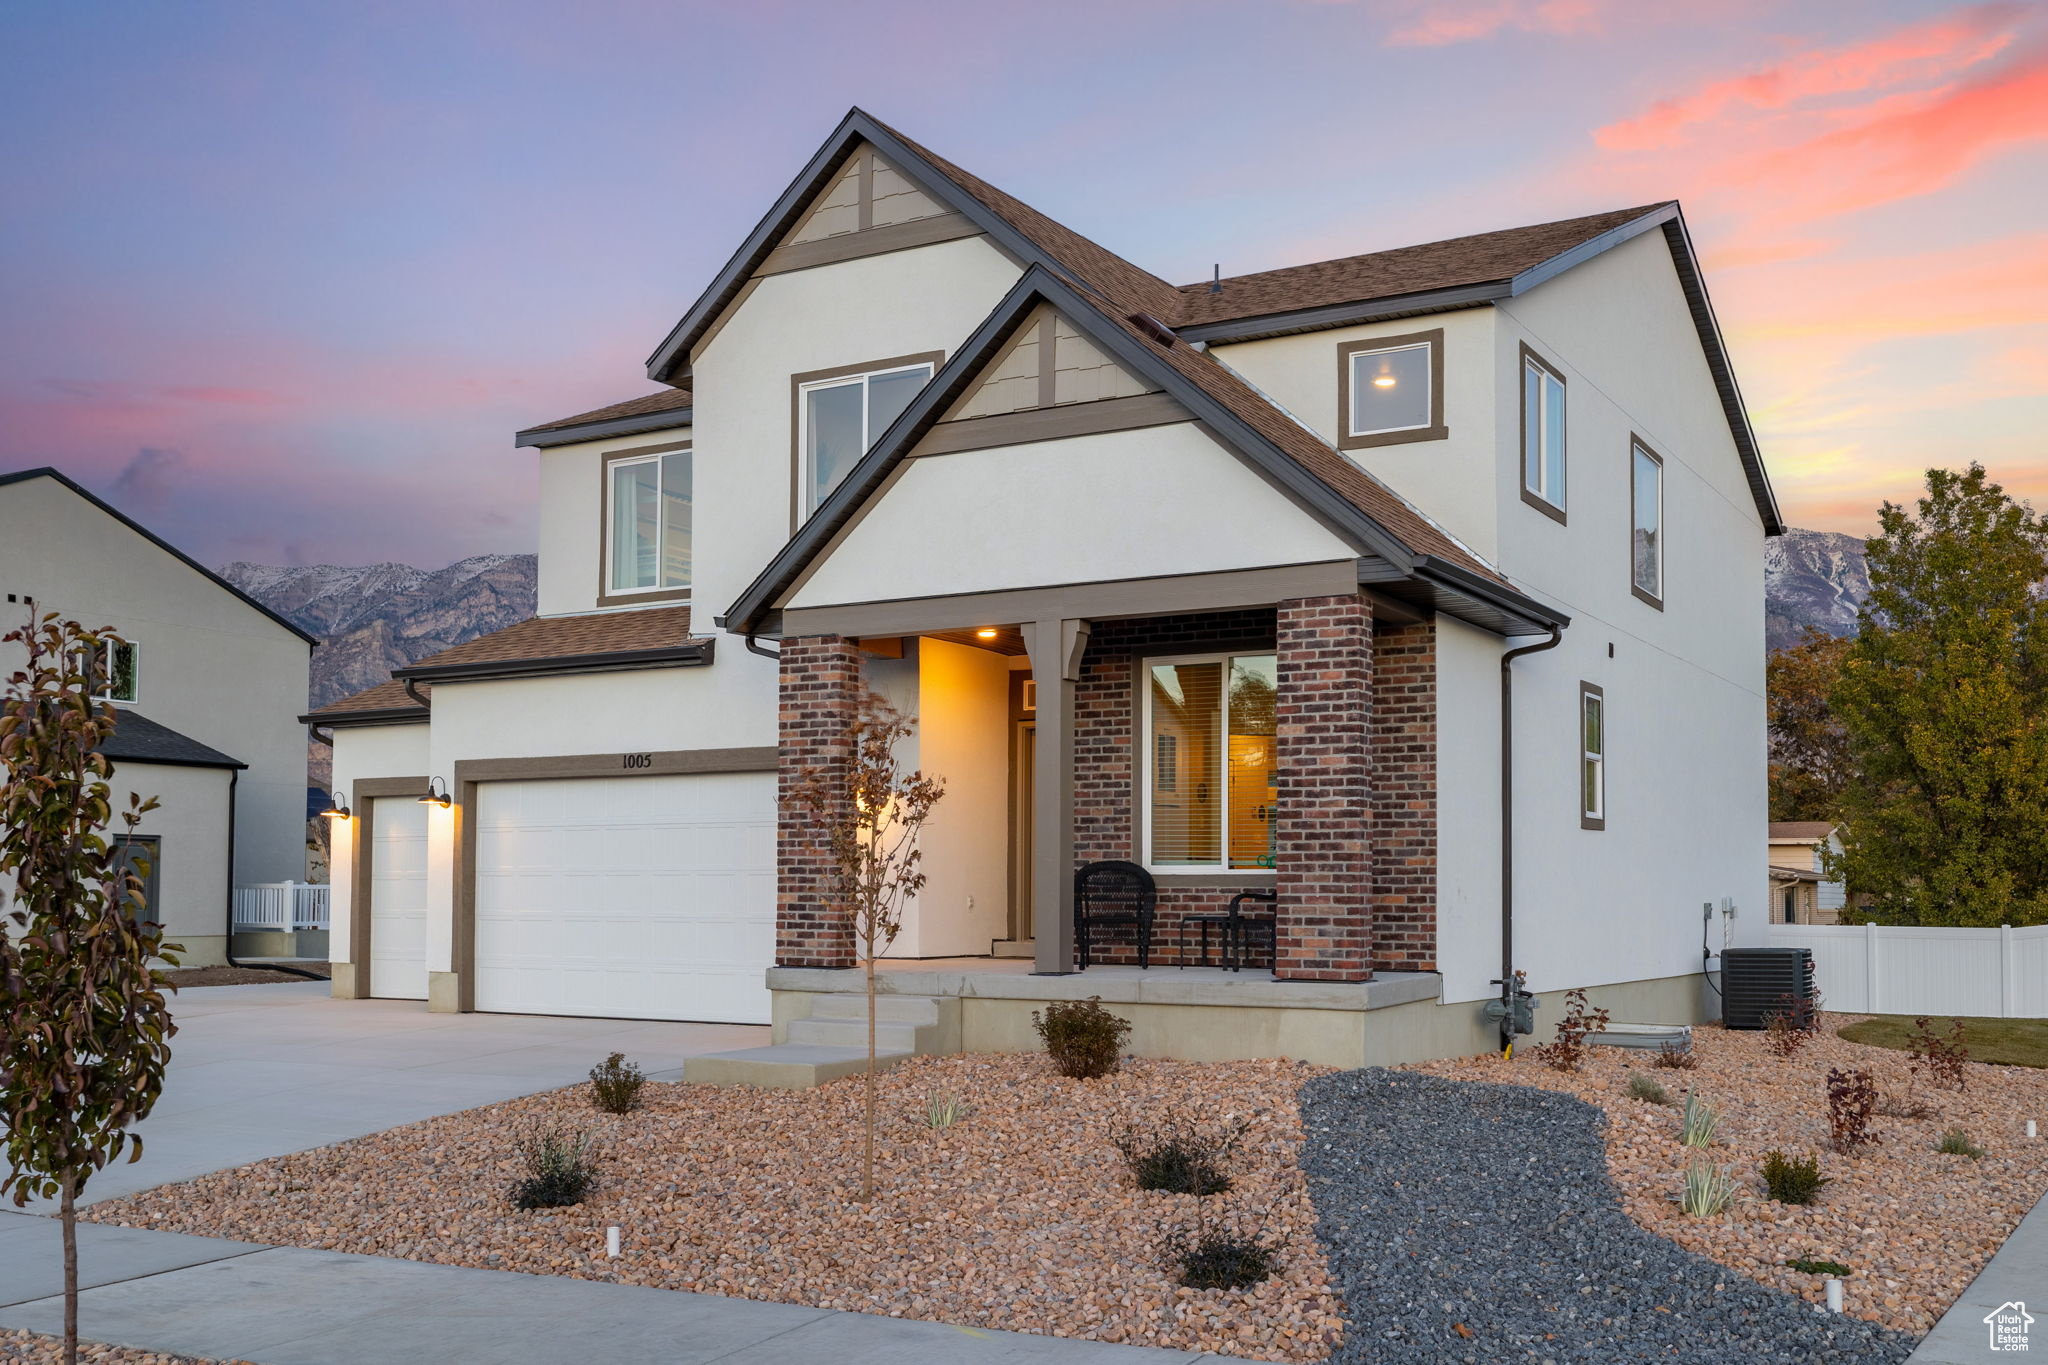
<point x="821" y="684"/>
<point x="1326" y="806"/>
<point x="1404" y="777"/>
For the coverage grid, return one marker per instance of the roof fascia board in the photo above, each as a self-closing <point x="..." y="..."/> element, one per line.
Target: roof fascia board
<point x="1040" y="284"/>
<point x="222" y="764"/>
<point x="346" y="720"/>
<point x="153" y="538"/>
<point x="1347" y="314"/>
<point x="1514" y="605"/>
<point x="611" y="426"/>
<point x="670" y="656"/>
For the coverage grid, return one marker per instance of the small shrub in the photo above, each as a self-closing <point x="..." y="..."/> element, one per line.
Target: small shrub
<point x="560" y="1170"/>
<point x="1698" y="1121"/>
<point x="1792" y="1179"/>
<point x="1224" y="1260"/>
<point x="1939" y="1059"/>
<point x="1648" y="1091"/>
<point x="1082" y="1038"/>
<point x="1568" y="1049"/>
<point x="1708" y="1190"/>
<point x="1904" y="1103"/>
<point x="615" y="1085"/>
<point x="1956" y="1142"/>
<point x="1180" y="1157"/>
<point x="942" y="1110"/>
<point x="1806" y="1265"/>
<point x="1852" y="1098"/>
<point x="1677" y="1056"/>
<point x="1793" y="1024"/>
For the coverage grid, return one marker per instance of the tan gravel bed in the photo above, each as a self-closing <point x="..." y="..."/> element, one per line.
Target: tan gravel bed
<point x="32" y="1348"/>
<point x="1020" y="1217"/>
<point x="1913" y="1225"/>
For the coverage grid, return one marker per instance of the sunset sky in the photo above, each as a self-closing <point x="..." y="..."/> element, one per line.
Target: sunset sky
<point x="282" y="279"/>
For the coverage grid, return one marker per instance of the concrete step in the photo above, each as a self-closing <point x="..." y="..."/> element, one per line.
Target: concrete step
<point x="783" y="1066"/>
<point x="889" y="1037"/>
<point x="1013" y="947"/>
<point x="889" y="1009"/>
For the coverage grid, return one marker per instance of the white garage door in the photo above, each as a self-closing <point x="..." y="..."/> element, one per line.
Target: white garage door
<point x="398" y="898"/>
<point x="631" y="898"/>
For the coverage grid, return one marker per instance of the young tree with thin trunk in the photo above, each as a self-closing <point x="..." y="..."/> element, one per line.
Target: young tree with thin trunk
<point x="84" y="1026"/>
<point x="1943" y="696"/>
<point x="870" y="813"/>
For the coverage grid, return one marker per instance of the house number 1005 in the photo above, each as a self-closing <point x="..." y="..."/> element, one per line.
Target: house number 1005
<point x="636" y="760"/>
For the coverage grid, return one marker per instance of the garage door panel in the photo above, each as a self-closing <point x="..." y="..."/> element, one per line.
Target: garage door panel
<point x="398" y="898"/>
<point x="649" y="897"/>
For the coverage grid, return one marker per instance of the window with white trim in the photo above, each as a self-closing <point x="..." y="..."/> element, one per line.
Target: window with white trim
<point x="1542" y="433"/>
<point x="647" y="524"/>
<point x="1592" y="757"/>
<point x="1646" y="531"/>
<point x="116" y="671"/>
<point x="839" y="419"/>
<point x="1209" y="781"/>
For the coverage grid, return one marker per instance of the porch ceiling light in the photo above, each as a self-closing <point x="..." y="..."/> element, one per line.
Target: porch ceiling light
<point x="337" y="808"/>
<point x="985" y="633"/>
<point x="437" y="794"/>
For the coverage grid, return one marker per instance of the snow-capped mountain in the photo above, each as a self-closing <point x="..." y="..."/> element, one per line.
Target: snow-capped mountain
<point x="1812" y="578"/>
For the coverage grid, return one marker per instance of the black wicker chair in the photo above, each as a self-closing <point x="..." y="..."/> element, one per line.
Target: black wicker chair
<point x="1114" y="893"/>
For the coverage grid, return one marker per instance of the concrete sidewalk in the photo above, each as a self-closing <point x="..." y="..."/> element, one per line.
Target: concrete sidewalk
<point x="2018" y="1272"/>
<point x="162" y="1291"/>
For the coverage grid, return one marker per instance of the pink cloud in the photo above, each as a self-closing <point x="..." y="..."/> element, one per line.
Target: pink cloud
<point x="1928" y="51"/>
<point x="1441" y="22"/>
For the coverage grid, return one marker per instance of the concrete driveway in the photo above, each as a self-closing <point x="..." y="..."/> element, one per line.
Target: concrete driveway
<point x="258" y="1071"/>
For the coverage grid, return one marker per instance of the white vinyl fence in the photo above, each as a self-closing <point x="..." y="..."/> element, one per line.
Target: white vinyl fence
<point x="281" y="905"/>
<point x="1865" y="968"/>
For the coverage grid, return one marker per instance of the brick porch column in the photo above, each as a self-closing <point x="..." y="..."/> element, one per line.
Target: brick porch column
<point x="1323" y="845"/>
<point x="820" y="690"/>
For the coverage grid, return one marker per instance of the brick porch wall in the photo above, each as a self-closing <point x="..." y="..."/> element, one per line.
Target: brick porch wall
<point x="1106" y="711"/>
<point x="1326" y="807"/>
<point x="1404" y="772"/>
<point x="821" y="684"/>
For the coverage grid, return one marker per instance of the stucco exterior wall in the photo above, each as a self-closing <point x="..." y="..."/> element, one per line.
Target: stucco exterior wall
<point x="571" y="574"/>
<point x="871" y="308"/>
<point x="210" y="665"/>
<point x="191" y="825"/>
<point x="1085" y="509"/>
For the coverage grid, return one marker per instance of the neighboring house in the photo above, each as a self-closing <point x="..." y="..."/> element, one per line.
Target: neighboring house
<point x="1800" y="891"/>
<point x="1219" y="578"/>
<point x="208" y="686"/>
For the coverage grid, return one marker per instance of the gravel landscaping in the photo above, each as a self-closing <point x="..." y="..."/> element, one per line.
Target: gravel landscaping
<point x="32" y="1348"/>
<point x="1470" y="1223"/>
<point x="1020" y="1216"/>
<point x="1913" y="1225"/>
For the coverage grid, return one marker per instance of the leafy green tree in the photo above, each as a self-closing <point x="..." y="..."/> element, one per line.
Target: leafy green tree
<point x="1811" y="764"/>
<point x="1943" y="696"/>
<point x="84" y="1026"/>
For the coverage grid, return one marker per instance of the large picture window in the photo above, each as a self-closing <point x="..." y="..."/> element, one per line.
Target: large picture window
<point x="838" y="418"/>
<point x="1390" y="390"/>
<point x="647" y="524"/>
<point x="1542" y="436"/>
<point x="1209" y="780"/>
<point x="1646" y="533"/>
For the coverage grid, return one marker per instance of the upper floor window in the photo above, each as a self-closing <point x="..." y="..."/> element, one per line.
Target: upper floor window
<point x="1542" y="435"/>
<point x="1390" y="390"/>
<point x="840" y="414"/>
<point x="1592" y="757"/>
<point x="1646" y="532"/>
<point x="1209" y="785"/>
<point x="116" y="675"/>
<point x="647" y="522"/>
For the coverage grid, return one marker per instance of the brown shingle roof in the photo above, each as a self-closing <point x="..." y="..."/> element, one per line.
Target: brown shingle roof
<point x="667" y="400"/>
<point x="385" y="696"/>
<point x="562" y="637"/>
<point x="1801" y="829"/>
<point x="1478" y="259"/>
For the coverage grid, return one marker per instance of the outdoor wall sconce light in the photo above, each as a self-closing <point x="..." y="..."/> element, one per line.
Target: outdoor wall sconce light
<point x="337" y="808"/>
<point x="437" y="794"/>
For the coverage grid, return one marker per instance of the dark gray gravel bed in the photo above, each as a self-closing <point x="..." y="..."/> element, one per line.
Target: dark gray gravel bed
<point x="1447" y="1203"/>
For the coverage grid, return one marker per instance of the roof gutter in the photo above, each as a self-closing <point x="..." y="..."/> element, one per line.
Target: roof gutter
<point x="543" y="437"/>
<point x="694" y="654"/>
<point x="344" y="720"/>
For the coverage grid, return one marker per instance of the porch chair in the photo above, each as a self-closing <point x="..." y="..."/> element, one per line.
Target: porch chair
<point x="1113" y="893"/>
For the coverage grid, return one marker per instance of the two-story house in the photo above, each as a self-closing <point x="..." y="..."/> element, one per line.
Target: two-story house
<point x="207" y="684"/>
<point x="1421" y="588"/>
